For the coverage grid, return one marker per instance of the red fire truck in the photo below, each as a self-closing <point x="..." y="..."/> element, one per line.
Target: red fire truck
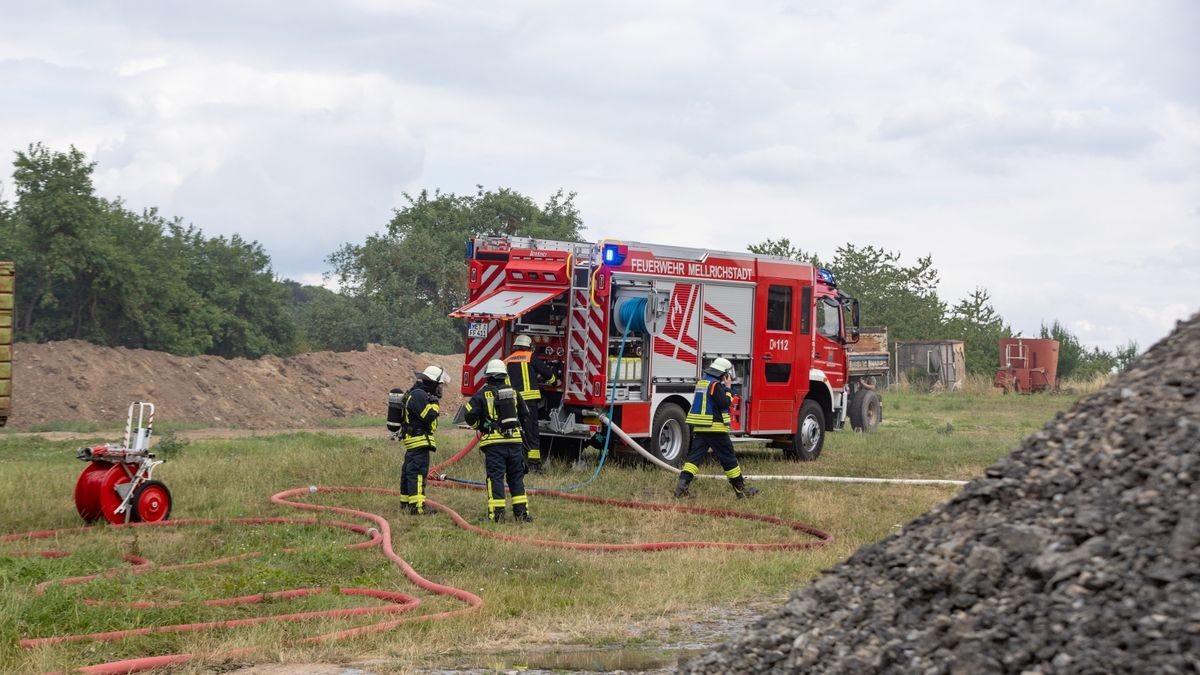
<point x="631" y="326"/>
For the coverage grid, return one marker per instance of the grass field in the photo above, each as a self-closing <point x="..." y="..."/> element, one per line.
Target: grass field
<point x="534" y="596"/>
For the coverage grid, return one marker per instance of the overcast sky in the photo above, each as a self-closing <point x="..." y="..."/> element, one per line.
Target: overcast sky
<point x="1046" y="151"/>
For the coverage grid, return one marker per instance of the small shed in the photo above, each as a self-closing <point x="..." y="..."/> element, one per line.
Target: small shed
<point x="938" y="363"/>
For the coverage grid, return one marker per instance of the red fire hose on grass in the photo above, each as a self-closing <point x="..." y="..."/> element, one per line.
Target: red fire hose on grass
<point x="380" y="534"/>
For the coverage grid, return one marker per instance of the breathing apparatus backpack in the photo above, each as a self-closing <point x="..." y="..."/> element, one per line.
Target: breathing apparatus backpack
<point x="506" y="410"/>
<point x="397" y="404"/>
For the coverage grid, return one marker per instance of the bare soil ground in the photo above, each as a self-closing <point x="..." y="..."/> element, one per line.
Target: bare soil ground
<point x="74" y="381"/>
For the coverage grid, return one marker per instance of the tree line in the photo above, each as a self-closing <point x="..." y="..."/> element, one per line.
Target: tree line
<point x="904" y="298"/>
<point x="91" y="269"/>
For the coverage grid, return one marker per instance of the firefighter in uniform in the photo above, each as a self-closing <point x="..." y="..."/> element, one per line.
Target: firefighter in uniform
<point x="412" y="418"/>
<point x="498" y="412"/>
<point x="709" y="419"/>
<point x="528" y="374"/>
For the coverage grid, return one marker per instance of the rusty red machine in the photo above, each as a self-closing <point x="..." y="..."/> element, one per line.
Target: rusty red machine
<point x="1027" y="365"/>
<point x="117" y="484"/>
<point x="631" y="325"/>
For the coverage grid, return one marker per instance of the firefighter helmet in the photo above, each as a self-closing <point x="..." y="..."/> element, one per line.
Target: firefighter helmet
<point x="496" y="368"/>
<point x="720" y="366"/>
<point x="435" y="374"/>
<point x="522" y="341"/>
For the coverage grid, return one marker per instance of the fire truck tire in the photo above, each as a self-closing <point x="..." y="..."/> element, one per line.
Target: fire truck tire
<point x="810" y="433"/>
<point x="669" y="435"/>
<point x="110" y="499"/>
<point x="866" y="411"/>
<point x="151" y="502"/>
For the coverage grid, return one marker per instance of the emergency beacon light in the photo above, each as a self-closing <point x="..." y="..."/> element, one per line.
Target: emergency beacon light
<point x="614" y="254"/>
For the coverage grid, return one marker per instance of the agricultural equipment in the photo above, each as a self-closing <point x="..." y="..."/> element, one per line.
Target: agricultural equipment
<point x="118" y="484"/>
<point x="870" y="370"/>
<point x="1027" y="365"/>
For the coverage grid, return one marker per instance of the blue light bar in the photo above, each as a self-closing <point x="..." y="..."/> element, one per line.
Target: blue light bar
<point x="826" y="276"/>
<point x="614" y="254"/>
<point x="470" y="248"/>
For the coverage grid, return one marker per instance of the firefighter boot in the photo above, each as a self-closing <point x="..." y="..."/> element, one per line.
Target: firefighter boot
<point x="741" y="489"/>
<point x="497" y="516"/>
<point x="522" y="516"/>
<point x="681" y="488"/>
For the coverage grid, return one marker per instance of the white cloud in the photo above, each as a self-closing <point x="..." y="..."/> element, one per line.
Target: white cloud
<point x="1047" y="153"/>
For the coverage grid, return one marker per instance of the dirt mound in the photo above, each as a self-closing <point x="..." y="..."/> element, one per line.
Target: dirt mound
<point x="79" y="381"/>
<point x="1078" y="553"/>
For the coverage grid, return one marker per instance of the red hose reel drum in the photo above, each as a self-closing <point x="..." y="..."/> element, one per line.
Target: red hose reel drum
<point x="116" y="484"/>
<point x="101" y="488"/>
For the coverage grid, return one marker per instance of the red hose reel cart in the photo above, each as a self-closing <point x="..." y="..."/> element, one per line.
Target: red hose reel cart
<point x="118" y="484"/>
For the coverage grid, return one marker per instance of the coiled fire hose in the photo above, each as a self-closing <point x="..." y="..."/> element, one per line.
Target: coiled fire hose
<point x="378" y="535"/>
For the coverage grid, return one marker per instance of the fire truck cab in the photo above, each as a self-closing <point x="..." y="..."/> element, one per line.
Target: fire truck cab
<point x="630" y="326"/>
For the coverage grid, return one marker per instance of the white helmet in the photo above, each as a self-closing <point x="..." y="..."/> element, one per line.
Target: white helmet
<point x="495" y="367"/>
<point x="436" y="374"/>
<point x="522" y="341"/>
<point x="720" y="366"/>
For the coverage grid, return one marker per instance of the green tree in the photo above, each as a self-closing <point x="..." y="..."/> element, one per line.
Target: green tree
<point x="902" y="297"/>
<point x="783" y="247"/>
<point x="974" y="321"/>
<point x="54" y="241"/>
<point x="409" y="278"/>
<point x="93" y="270"/>
<point x="1074" y="359"/>
<point x="1126" y="355"/>
<point x="327" y="320"/>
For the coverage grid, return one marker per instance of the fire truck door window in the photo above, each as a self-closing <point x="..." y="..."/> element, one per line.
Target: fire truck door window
<point x="779" y="308"/>
<point x="830" y="318"/>
<point x="806" y="310"/>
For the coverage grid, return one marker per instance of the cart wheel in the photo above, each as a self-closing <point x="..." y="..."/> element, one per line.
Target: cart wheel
<point x="151" y="502"/>
<point x="87" y="491"/>
<point x="110" y="499"/>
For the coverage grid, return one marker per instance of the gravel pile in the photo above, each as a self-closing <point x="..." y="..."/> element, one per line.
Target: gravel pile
<point x="1078" y="553"/>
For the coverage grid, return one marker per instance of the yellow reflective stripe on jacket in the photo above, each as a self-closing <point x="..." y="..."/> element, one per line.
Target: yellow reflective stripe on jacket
<point x="424" y="440"/>
<point x="702" y="414"/>
<point x="527" y="387"/>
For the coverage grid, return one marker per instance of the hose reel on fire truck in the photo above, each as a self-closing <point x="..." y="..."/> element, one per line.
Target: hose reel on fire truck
<point x="638" y="309"/>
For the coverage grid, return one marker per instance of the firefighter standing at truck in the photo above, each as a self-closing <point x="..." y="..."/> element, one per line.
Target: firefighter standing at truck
<point x="709" y="419"/>
<point x="528" y="373"/>
<point x="498" y="412"/>
<point x="412" y="419"/>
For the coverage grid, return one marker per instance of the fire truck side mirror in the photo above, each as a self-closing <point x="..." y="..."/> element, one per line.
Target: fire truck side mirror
<point x="855" y="320"/>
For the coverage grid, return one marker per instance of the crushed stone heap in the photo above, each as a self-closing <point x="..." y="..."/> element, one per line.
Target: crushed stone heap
<point x="1078" y="553"/>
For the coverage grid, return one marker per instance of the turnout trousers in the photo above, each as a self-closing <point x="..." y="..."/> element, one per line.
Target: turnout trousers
<point x="412" y="478"/>
<point x="531" y="434"/>
<point x="505" y="464"/>
<point x="721" y="445"/>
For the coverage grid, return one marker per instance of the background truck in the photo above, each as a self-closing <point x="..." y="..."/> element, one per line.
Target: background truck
<point x="870" y="374"/>
<point x="631" y="326"/>
<point x="7" y="277"/>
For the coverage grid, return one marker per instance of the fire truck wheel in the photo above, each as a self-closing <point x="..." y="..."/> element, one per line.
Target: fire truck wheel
<point x="110" y="499"/>
<point x="810" y="433"/>
<point x="866" y="411"/>
<point x="669" y="437"/>
<point x="151" y="502"/>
